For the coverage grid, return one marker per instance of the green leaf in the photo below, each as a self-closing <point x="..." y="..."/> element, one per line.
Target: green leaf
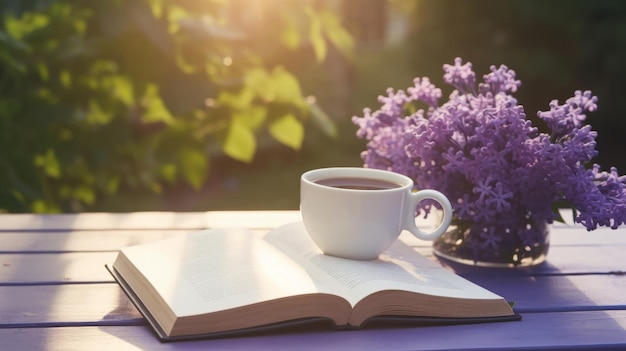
<point x="30" y="22"/>
<point x="49" y="163"/>
<point x="279" y="85"/>
<point x="194" y="166"/>
<point x="41" y="206"/>
<point x="65" y="77"/>
<point x="184" y="66"/>
<point x="122" y="88"/>
<point x="156" y="6"/>
<point x="316" y="36"/>
<point x="290" y="35"/>
<point x="97" y="114"/>
<point x="288" y="130"/>
<point x="44" y="73"/>
<point x="84" y="193"/>
<point x="174" y="15"/>
<point x="38" y="206"/>
<point x="252" y="118"/>
<point x="286" y="86"/>
<point x="337" y="34"/>
<point x="168" y="172"/>
<point x="155" y="108"/>
<point x="257" y="80"/>
<point x="239" y="101"/>
<point x="240" y="142"/>
<point x="112" y="185"/>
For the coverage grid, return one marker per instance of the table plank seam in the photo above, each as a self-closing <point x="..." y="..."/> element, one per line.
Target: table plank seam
<point x="99" y="323"/>
<point x="95" y="230"/>
<point x="584" y="308"/>
<point x="469" y="275"/>
<point x="54" y="282"/>
<point x="55" y="252"/>
<point x="569" y="274"/>
<point x="46" y="252"/>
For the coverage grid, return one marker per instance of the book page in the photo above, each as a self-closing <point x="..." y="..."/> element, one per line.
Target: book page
<point x="215" y="270"/>
<point x="399" y="268"/>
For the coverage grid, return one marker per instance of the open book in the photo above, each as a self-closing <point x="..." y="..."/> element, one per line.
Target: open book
<point x="225" y="281"/>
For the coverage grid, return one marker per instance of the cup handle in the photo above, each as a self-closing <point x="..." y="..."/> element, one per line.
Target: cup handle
<point x="414" y="200"/>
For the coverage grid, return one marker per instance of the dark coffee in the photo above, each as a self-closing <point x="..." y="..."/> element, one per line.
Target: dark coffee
<point x="358" y="183"/>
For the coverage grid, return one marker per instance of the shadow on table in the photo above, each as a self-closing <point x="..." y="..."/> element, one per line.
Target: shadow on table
<point x="545" y="288"/>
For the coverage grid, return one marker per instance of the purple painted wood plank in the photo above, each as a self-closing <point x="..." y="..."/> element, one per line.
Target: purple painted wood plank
<point x="147" y="220"/>
<point x="95" y="221"/>
<point x="576" y="235"/>
<point x="88" y="266"/>
<point x="101" y="240"/>
<point x="580" y="330"/>
<point x="109" y="240"/>
<point x="561" y="260"/>
<point x="84" y="241"/>
<point x="559" y="293"/>
<point x="94" y="303"/>
<point x="564" y="235"/>
<point x="63" y="304"/>
<point x="55" y="268"/>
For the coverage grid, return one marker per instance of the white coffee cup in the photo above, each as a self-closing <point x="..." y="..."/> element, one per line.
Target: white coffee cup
<point x="359" y="222"/>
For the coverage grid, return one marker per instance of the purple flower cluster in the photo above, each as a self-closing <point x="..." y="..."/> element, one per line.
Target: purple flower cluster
<point x="479" y="149"/>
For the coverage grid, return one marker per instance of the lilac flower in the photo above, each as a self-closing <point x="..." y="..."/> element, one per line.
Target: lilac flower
<point x="461" y="76"/>
<point x="425" y="91"/>
<point x="491" y="239"/>
<point x="479" y="149"/>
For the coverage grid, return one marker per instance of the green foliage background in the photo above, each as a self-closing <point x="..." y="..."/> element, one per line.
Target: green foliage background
<point x="123" y="105"/>
<point x="101" y="98"/>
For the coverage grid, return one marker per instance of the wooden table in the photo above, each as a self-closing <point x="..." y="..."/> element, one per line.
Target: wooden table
<point x="55" y="293"/>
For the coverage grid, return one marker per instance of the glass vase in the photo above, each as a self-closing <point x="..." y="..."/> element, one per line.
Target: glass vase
<point x="476" y="244"/>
